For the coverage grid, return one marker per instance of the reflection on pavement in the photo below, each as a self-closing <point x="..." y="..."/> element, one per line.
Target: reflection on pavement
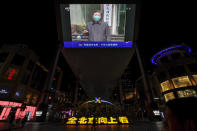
<point x="141" y="126"/>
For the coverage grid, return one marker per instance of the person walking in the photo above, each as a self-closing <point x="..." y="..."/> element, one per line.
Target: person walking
<point x="11" y="120"/>
<point x="24" y="120"/>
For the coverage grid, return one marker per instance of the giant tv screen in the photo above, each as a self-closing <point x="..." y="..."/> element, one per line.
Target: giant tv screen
<point x="96" y="25"/>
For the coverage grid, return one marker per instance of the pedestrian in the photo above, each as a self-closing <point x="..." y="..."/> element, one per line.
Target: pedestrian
<point x="24" y="120"/>
<point x="181" y="115"/>
<point x="97" y="30"/>
<point x="11" y="120"/>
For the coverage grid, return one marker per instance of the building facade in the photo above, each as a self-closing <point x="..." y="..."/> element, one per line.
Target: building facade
<point x="23" y="81"/>
<point x="175" y="74"/>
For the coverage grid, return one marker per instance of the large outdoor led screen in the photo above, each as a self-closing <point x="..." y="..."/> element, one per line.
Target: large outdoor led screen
<point x="96" y="25"/>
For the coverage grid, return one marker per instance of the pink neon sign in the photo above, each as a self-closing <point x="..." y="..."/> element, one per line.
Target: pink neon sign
<point x="19" y="114"/>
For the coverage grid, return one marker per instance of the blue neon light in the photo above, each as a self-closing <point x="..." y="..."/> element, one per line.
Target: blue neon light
<point x="167" y="51"/>
<point x="98" y="44"/>
<point x="106" y="102"/>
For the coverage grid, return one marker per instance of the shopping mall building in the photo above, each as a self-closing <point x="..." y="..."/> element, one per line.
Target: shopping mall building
<point x="22" y="82"/>
<point x="175" y="74"/>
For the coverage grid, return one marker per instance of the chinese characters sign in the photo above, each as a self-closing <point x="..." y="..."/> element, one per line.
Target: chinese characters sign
<point x="108" y="13"/>
<point x="98" y="44"/>
<point x="97" y="120"/>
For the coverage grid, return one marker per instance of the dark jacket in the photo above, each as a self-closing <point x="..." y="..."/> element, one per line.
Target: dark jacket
<point x="98" y="31"/>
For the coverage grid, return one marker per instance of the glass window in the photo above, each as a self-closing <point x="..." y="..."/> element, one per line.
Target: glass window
<point x="187" y="93"/>
<point x="18" y="60"/>
<point x="181" y="82"/>
<point x="166" y="86"/>
<point x="122" y="7"/>
<point x="28" y="97"/>
<point x="169" y="96"/>
<point x="80" y="14"/>
<point x="34" y="100"/>
<point x="195" y="77"/>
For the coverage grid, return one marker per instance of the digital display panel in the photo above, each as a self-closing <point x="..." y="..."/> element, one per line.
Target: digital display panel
<point x="97" y="25"/>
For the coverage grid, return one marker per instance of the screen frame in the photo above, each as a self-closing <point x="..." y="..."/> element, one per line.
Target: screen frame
<point x="130" y="35"/>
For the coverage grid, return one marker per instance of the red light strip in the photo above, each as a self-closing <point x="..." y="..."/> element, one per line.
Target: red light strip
<point x="11" y="74"/>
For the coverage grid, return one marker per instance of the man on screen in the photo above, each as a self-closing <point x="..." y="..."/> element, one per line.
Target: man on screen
<point x="97" y="30"/>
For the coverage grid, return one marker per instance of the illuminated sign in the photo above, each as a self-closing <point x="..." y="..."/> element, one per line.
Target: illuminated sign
<point x="156" y="112"/>
<point x="97" y="120"/>
<point x="69" y="112"/>
<point x="17" y="94"/>
<point x="98" y="100"/>
<point x="3" y="91"/>
<point x="123" y="120"/>
<point x="38" y="113"/>
<point x="102" y="120"/>
<point x="11" y="74"/>
<point x="82" y="120"/>
<point x="8" y="105"/>
<point x="113" y="121"/>
<point x="72" y="120"/>
<point x="98" y="44"/>
<point x="90" y="120"/>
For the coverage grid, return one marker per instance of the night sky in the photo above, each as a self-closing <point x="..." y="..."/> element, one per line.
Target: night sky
<point x="163" y="24"/>
<point x="167" y="23"/>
